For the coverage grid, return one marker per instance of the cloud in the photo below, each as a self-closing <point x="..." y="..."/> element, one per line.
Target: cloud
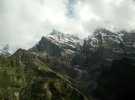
<point x="121" y="13"/>
<point x="24" y="22"/>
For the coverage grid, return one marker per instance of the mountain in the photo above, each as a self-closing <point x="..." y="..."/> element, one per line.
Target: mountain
<point x="23" y="76"/>
<point x="102" y="68"/>
<point x="121" y="42"/>
<point x="58" y="44"/>
<point x="105" y="46"/>
<point x="85" y="65"/>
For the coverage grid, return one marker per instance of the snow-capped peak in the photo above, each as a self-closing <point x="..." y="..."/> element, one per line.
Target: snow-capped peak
<point x="63" y="43"/>
<point x="68" y="42"/>
<point x="101" y="37"/>
<point x="56" y="33"/>
<point x="118" y="42"/>
<point x="62" y="38"/>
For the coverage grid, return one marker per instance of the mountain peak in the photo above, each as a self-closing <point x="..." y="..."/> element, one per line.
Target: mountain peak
<point x="55" y="33"/>
<point x="58" y="42"/>
<point x="60" y="37"/>
<point x="101" y="31"/>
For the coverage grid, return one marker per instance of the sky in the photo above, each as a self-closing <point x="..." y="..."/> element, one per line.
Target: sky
<point x="24" y="22"/>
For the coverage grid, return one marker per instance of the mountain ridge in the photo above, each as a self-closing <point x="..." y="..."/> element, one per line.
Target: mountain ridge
<point x="59" y="60"/>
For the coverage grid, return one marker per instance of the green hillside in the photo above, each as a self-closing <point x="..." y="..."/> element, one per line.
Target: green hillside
<point x="24" y="77"/>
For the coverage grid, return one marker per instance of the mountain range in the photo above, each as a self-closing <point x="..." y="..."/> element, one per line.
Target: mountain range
<point x="62" y="67"/>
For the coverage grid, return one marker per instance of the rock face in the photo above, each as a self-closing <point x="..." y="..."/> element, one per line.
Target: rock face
<point x="102" y="38"/>
<point x="105" y="46"/>
<point x="47" y="47"/>
<point x="57" y="49"/>
<point x="121" y="42"/>
<point x="58" y="44"/>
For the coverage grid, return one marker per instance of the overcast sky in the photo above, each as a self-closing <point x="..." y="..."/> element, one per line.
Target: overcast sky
<point x="24" y="22"/>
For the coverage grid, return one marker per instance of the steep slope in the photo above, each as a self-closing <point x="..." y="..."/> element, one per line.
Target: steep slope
<point x="103" y="38"/>
<point x="128" y="39"/>
<point x="104" y="44"/>
<point x="91" y="67"/>
<point x="122" y="42"/>
<point x="58" y="44"/>
<point x="116" y="81"/>
<point x="24" y="77"/>
<point x="51" y="88"/>
<point x="84" y="65"/>
<point x="98" y="67"/>
<point x="102" y="47"/>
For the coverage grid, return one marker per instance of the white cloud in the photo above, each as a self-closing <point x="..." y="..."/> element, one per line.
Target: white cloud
<point x="24" y="22"/>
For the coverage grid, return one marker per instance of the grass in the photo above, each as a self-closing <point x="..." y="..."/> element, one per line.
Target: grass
<point x="24" y="77"/>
